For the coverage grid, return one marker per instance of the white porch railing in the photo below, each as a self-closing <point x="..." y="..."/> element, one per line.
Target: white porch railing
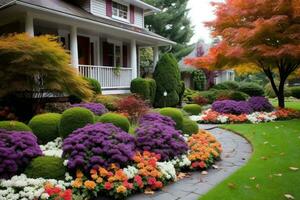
<point x="108" y="77"/>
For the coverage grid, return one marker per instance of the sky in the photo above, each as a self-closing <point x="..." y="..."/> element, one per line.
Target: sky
<point x="201" y="11"/>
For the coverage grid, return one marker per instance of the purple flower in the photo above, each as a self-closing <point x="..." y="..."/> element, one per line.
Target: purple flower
<point x="161" y="139"/>
<point x="98" y="145"/>
<point x="260" y="104"/>
<point x="17" y="149"/>
<point x="96" y="108"/>
<point x="152" y="118"/>
<point x="232" y="107"/>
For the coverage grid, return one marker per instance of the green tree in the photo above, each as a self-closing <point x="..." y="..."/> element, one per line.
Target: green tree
<point x="173" y="23"/>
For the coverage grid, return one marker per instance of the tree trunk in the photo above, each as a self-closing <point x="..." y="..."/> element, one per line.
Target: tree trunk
<point x="280" y="94"/>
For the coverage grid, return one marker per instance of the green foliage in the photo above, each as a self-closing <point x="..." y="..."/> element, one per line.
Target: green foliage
<point x="14" y="126"/>
<point x="199" y="80"/>
<point x="145" y="88"/>
<point x="146" y="57"/>
<point x="181" y="92"/>
<point x="189" y="94"/>
<point x="73" y="119"/>
<point x="175" y="114"/>
<point x="116" y="119"/>
<point x="169" y="24"/>
<point x="210" y="95"/>
<point x="252" y="89"/>
<point x="192" y="109"/>
<point x="189" y="127"/>
<point x="268" y="90"/>
<point x="295" y="92"/>
<point x="238" y="96"/>
<point x="109" y="101"/>
<point x="94" y="85"/>
<point x="47" y="167"/>
<point x="45" y="126"/>
<point x="227" y="85"/>
<point x="167" y="77"/>
<point x="23" y="58"/>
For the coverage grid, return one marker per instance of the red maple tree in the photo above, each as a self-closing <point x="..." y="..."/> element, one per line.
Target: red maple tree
<point x="257" y="35"/>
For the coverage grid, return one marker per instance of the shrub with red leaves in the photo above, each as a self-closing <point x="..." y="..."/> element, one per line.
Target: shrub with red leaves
<point x="134" y="106"/>
<point x="200" y="100"/>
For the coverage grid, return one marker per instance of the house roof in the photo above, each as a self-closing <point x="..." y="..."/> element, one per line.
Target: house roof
<point x="68" y="8"/>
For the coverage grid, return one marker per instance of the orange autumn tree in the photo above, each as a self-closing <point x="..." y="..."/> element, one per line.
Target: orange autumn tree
<point x="257" y="36"/>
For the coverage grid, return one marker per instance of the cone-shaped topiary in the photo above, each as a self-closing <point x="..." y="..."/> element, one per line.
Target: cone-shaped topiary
<point x="189" y="127"/>
<point x="47" y="167"/>
<point x="193" y="109"/>
<point x="175" y="114"/>
<point x="167" y="77"/>
<point x="116" y="119"/>
<point x="45" y="126"/>
<point x="14" y="126"/>
<point x="73" y="119"/>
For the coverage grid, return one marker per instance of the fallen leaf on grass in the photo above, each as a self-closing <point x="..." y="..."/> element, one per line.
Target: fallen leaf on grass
<point x="257" y="186"/>
<point x="264" y="158"/>
<point x="266" y="142"/>
<point x="294" y="168"/>
<point x="278" y="175"/>
<point x="247" y="187"/>
<point x="288" y="196"/>
<point x="282" y="154"/>
<point x="231" y="185"/>
<point x="252" y="178"/>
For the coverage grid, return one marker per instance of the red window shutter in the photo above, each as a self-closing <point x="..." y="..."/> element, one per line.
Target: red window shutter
<point x="131" y="14"/>
<point x="109" y="8"/>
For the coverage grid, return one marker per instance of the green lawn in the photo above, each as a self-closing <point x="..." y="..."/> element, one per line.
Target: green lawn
<point x="289" y="104"/>
<point x="267" y="176"/>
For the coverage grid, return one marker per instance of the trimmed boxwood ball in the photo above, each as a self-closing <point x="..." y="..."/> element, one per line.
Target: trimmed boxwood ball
<point x="193" y="109"/>
<point x="175" y="114"/>
<point x="45" y="126"/>
<point x="73" y="119"/>
<point x="14" y="126"/>
<point x="252" y="89"/>
<point x="189" y="127"/>
<point x="116" y="119"/>
<point x="94" y="84"/>
<point x="47" y="167"/>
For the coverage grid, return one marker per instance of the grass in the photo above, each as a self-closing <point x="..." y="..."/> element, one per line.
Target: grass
<point x="289" y="104"/>
<point x="267" y="176"/>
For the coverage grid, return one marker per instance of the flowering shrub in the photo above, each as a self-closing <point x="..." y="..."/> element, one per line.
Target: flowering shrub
<point x="152" y="118"/>
<point x="232" y="107"/>
<point x="96" y="108"/>
<point x="160" y="139"/>
<point x="134" y="106"/>
<point x="204" y="149"/>
<point x="98" y="145"/>
<point x="17" y="149"/>
<point x="260" y="104"/>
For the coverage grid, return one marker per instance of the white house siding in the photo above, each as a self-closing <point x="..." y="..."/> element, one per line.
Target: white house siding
<point x="85" y="4"/>
<point x="223" y="76"/>
<point x="139" y="17"/>
<point x="98" y="7"/>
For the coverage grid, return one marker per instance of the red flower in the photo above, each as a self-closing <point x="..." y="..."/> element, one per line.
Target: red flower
<point x="127" y="185"/>
<point x="158" y="184"/>
<point x="195" y="164"/>
<point x="151" y="181"/>
<point x="108" y="186"/>
<point x="152" y="162"/>
<point x="202" y="164"/>
<point x="139" y="181"/>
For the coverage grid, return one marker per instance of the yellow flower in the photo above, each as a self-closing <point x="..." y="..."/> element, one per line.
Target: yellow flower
<point x="99" y="180"/>
<point x="121" y="189"/>
<point x="90" y="185"/>
<point x="77" y="183"/>
<point x="94" y="176"/>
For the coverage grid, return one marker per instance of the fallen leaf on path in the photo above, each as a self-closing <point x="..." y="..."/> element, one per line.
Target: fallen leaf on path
<point x="204" y="172"/>
<point x="149" y="192"/>
<point x="294" y="168"/>
<point x="181" y="175"/>
<point x="215" y="166"/>
<point x="288" y="196"/>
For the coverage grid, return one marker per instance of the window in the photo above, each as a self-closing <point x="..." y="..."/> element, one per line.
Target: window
<point x="120" y="11"/>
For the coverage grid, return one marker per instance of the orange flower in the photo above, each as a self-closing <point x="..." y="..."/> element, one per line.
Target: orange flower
<point x="93" y="171"/>
<point x="77" y="183"/>
<point x="90" y="185"/>
<point x="121" y="189"/>
<point x="79" y="174"/>
<point x="103" y="172"/>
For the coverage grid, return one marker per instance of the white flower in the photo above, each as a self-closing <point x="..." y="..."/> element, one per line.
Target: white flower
<point x="44" y="196"/>
<point x="195" y="118"/>
<point x="130" y="171"/>
<point x="167" y="169"/>
<point x="223" y="119"/>
<point x="65" y="162"/>
<point x="53" y="148"/>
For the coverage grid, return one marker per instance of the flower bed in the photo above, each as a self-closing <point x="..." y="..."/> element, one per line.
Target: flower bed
<point x="213" y="117"/>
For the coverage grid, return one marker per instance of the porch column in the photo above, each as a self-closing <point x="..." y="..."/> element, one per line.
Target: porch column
<point x="155" y="56"/>
<point x="74" y="46"/>
<point x="133" y="54"/>
<point x="29" y="29"/>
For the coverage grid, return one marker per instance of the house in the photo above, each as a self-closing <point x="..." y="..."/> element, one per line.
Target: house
<point x="200" y="49"/>
<point x="103" y="36"/>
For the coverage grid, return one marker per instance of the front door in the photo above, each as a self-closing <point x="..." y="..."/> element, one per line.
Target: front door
<point x="84" y="50"/>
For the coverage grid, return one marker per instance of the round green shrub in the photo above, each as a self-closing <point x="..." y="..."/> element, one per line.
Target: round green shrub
<point x="193" y="109"/>
<point x="210" y="95"/>
<point x="175" y="114"/>
<point x="252" y="89"/>
<point x="270" y="92"/>
<point x="227" y="85"/>
<point x="189" y="127"/>
<point x="14" y="126"/>
<point x="73" y="119"/>
<point x="45" y="126"/>
<point x="46" y="167"/>
<point x="167" y="77"/>
<point x="238" y="96"/>
<point x="116" y="119"/>
<point x="295" y="91"/>
<point x="94" y="84"/>
<point x="145" y="88"/>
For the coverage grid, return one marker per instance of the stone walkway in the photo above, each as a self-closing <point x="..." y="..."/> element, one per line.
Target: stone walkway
<point x="236" y="152"/>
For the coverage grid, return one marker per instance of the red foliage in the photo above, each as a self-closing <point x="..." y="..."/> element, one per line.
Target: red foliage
<point x="200" y="100"/>
<point x="133" y="106"/>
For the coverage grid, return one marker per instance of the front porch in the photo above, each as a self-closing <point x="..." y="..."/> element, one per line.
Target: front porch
<point x="102" y="53"/>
